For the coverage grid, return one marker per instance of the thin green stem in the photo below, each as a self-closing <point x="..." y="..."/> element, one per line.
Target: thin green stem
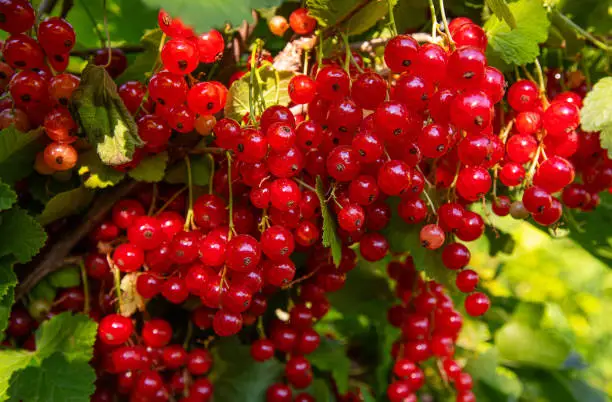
<point x="170" y="201"/>
<point x="108" y="41"/>
<point x="348" y="55"/>
<point x="541" y="82"/>
<point x="319" y="48"/>
<point x="392" y="25"/>
<point x="85" y="286"/>
<point x="252" y="85"/>
<point x="582" y="31"/>
<point x="230" y="203"/>
<point x="303" y="183"/>
<point x="212" y="173"/>
<point x="153" y="200"/>
<point x="446" y="29"/>
<point x="92" y="19"/>
<point x="434" y="19"/>
<point x="189" y="217"/>
<point x="188" y="335"/>
<point x="278" y="86"/>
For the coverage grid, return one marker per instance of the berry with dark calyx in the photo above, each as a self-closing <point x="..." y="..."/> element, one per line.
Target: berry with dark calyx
<point x="401" y="53"/>
<point x="333" y="83"/>
<point x="302" y="89"/>
<point x="207" y="98"/>
<point x="115" y="329"/>
<point x="369" y="90"/>
<point x="56" y="36"/>
<point x="278" y="25"/>
<point x="116" y="65"/>
<point x="466" y="67"/>
<point x="180" y="56"/>
<point x="210" y="46"/>
<point x="301" y="22"/>
<point x="523" y="95"/>
<point x="16" y="16"/>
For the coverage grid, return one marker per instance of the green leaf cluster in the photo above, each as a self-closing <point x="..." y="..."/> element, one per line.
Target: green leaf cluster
<point x="350" y="16"/>
<point x="596" y="113"/>
<point x="110" y="128"/>
<point x="330" y="236"/>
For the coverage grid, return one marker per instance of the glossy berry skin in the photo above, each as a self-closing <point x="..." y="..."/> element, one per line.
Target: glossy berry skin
<point x="432" y="61"/>
<point x="184" y="247"/>
<point x="302" y="89"/>
<point x="472" y="111"/>
<point x="398" y="391"/>
<point x="226" y="323"/>
<point x="277" y="243"/>
<point x="466" y="67"/>
<point x="412" y="210"/>
<point x="333" y="83"/>
<point x="472" y="228"/>
<point x="278" y="393"/>
<point x="477" y="304"/>
<point x="364" y="190"/>
<point x="523" y="95"/>
<point x="115" y="329"/>
<point x="401" y="53"/>
<point x="209" y="212"/>
<point x="455" y="256"/>
<point x="434" y="140"/>
<point x="156" y="333"/>
<point x="207" y="98"/>
<point x="22" y="52"/>
<point x="56" y="36"/>
<point x="394" y="177"/>
<point x="561" y="118"/>
<point x="148" y="285"/>
<point x="369" y="90"/>
<point x="473" y="182"/>
<point x="351" y="218"/>
<point x="278" y="25"/>
<point x="243" y="253"/>
<point x="262" y="350"/>
<point x="466" y="280"/>
<point x="199" y="362"/>
<point x="16" y="16"/>
<point x="368" y="147"/>
<point x="117" y="64"/>
<point x="301" y="22"/>
<point x="413" y="90"/>
<point x="128" y="257"/>
<point x="501" y="206"/>
<point x="125" y="211"/>
<point x="154" y="131"/>
<point x="470" y="35"/>
<point x="373" y="246"/>
<point x="167" y="89"/>
<point x="512" y="174"/>
<point x="554" y="174"/>
<point x="549" y="215"/>
<point x="298" y="372"/>
<point x="343" y="163"/>
<point x="210" y="46"/>
<point x="432" y="236"/>
<point x="180" y="56"/>
<point x="146" y="232"/>
<point x="536" y="199"/>
<point x="175" y="290"/>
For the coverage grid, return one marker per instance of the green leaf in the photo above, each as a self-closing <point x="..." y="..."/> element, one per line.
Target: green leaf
<point x="55" y="380"/>
<point x="17" y="153"/>
<point x="273" y="91"/>
<point x="65" y="204"/>
<point x="330" y="237"/>
<point x="8" y="281"/>
<point x="151" y="169"/>
<point x="403" y="238"/>
<point x="596" y="114"/>
<point x="499" y="241"/>
<point x="200" y="171"/>
<point x="520" y="45"/>
<point x="237" y="377"/>
<point x="11" y="361"/>
<point x="96" y="174"/>
<point x="202" y="15"/>
<point x="7" y="196"/>
<point x="105" y="119"/>
<point x="502" y="11"/>
<point x="73" y="335"/>
<point x="410" y="15"/>
<point x="523" y="340"/>
<point x="485" y="367"/>
<point x="356" y="16"/>
<point x="67" y="277"/>
<point x="331" y="356"/>
<point x="141" y="67"/>
<point x="21" y="235"/>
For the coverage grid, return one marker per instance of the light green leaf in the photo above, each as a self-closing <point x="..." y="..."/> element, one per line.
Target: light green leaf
<point x="523" y="340"/>
<point x="330" y="237"/>
<point x="17" y="153"/>
<point x="55" y="380"/>
<point x="596" y="113"/>
<point x="21" y="235"/>
<point x="151" y="169"/>
<point x="7" y="196"/>
<point x="65" y="204"/>
<point x="8" y="281"/>
<point x="200" y="171"/>
<point x="356" y="16"/>
<point x="105" y="119"/>
<point x="11" y="361"/>
<point x="96" y="174"/>
<point x="485" y="367"/>
<point x="73" y="335"/>
<point x="68" y="276"/>
<point x="502" y="11"/>
<point x="274" y="92"/>
<point x="203" y="15"/>
<point x="237" y="377"/>
<point x="520" y="45"/>
<point x="331" y="356"/>
<point x="141" y="67"/>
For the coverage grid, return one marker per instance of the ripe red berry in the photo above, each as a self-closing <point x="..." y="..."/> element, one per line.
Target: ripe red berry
<point x="115" y="329"/>
<point x="156" y="333"/>
<point x="477" y="304"/>
<point x="210" y="46"/>
<point x="401" y="53"/>
<point x="301" y="22"/>
<point x="466" y="280"/>
<point x="333" y="83"/>
<point x="226" y="323"/>
<point x="302" y="89"/>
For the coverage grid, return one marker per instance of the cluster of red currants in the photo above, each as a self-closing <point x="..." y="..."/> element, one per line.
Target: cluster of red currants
<point x="149" y="367"/>
<point x="32" y="74"/>
<point x="300" y="22"/>
<point x="430" y="326"/>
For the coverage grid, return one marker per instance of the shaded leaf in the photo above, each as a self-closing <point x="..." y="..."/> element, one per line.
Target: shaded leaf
<point x="141" y="67"/>
<point x="151" y="169"/>
<point x="485" y="367"/>
<point x="499" y="241"/>
<point x="357" y="16"/>
<point x="21" y="235"/>
<point x="17" y="153"/>
<point x="331" y="356"/>
<point x="65" y="204"/>
<point x="7" y="196"/>
<point x="330" y="237"/>
<point x="96" y="174"/>
<point x="502" y="11"/>
<point x="200" y="171"/>
<point x="596" y="114"/>
<point x="273" y="91"/>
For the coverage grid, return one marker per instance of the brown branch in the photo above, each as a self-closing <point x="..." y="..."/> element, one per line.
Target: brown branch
<point x="66" y="7"/>
<point x="85" y="53"/>
<point x="54" y="257"/>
